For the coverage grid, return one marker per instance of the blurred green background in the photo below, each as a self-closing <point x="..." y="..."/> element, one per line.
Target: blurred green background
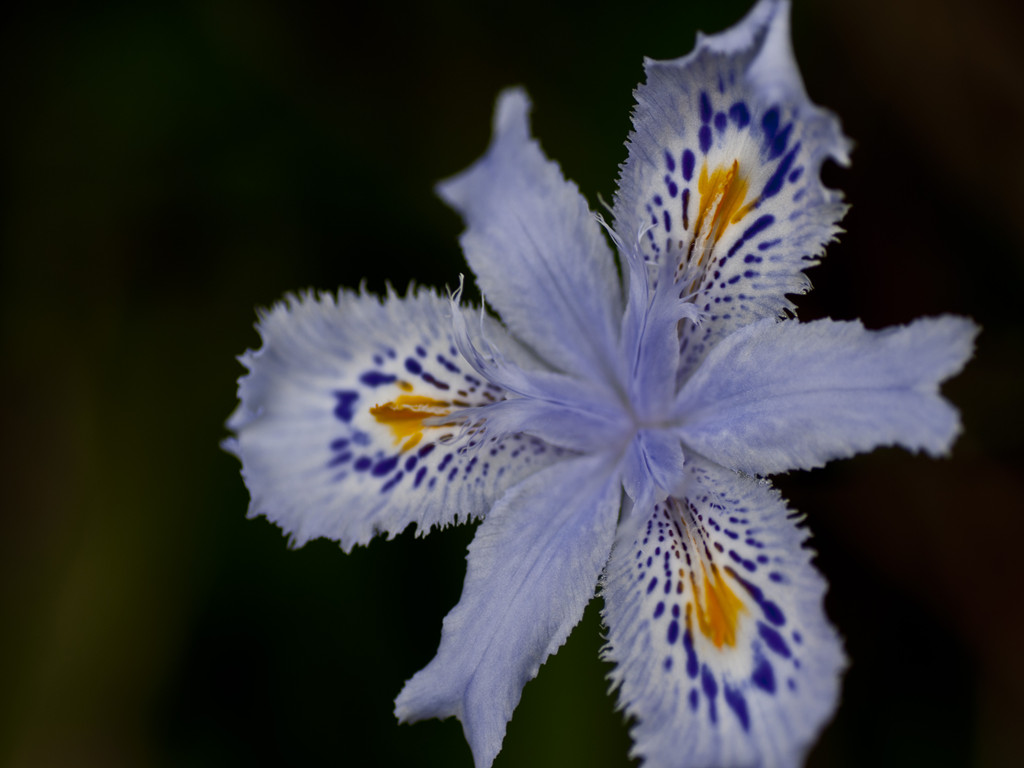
<point x="169" y="167"/>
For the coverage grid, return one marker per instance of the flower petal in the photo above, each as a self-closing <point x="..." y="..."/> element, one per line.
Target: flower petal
<point x="532" y="570"/>
<point x="723" y="653"/>
<point x="538" y="253"/>
<point x="333" y="431"/>
<point x="569" y="412"/>
<point x="722" y="177"/>
<point x="785" y="395"/>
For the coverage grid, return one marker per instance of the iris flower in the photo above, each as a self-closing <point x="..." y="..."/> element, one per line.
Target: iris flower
<point x="613" y="429"/>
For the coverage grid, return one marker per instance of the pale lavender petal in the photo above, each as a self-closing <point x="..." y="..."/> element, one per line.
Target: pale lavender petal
<point x="650" y="337"/>
<point x="722" y="177"/>
<point x="723" y="653"/>
<point x="777" y="396"/>
<point x="533" y="567"/>
<point x="652" y="467"/>
<point x="334" y="424"/>
<point x="538" y="253"/>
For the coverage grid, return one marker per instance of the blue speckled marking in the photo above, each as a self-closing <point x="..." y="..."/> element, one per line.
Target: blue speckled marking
<point x="739" y="114"/>
<point x="774" y="184"/>
<point x="705" y="107"/>
<point x="770" y="124"/>
<point x="763" y="675"/>
<point x="691" y="655"/>
<point x="688" y="163"/>
<point x="447" y="364"/>
<point x="385" y="466"/>
<point x="340" y="459"/>
<point x="376" y="378"/>
<point x="771" y="611"/>
<point x="780" y="142"/>
<point x="704" y="137"/>
<point x="757" y="227"/>
<point x="429" y="378"/>
<point x="392" y="482"/>
<point x="773" y="639"/>
<point x="710" y="688"/>
<point x="343" y="411"/>
<point x="738" y="705"/>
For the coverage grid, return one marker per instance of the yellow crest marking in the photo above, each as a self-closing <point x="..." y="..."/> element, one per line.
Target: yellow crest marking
<point x="719" y="616"/>
<point x="722" y="195"/>
<point x="405" y="415"/>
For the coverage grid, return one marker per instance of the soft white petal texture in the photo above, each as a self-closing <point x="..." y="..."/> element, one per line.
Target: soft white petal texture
<point x="533" y="567"/>
<point x="723" y="653"/>
<point x="776" y="396"/>
<point x="316" y="458"/>
<point x="722" y="177"/>
<point x="538" y="253"/>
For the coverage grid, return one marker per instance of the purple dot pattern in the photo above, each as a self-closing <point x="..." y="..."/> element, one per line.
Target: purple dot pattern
<point x="742" y="271"/>
<point x="321" y="464"/>
<point x="728" y="699"/>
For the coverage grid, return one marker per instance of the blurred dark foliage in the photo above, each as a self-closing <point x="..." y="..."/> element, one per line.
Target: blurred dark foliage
<point x="169" y="167"/>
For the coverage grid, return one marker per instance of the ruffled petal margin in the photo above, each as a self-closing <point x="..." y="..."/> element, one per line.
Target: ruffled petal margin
<point x="723" y="653"/>
<point x="538" y="253"/>
<point x="533" y="567"/>
<point x="337" y="429"/>
<point x="723" y="176"/>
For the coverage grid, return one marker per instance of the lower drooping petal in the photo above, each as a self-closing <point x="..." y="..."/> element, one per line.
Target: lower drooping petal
<point x="334" y="427"/>
<point x="533" y="567"/>
<point x="723" y="653"/>
<point x="779" y="396"/>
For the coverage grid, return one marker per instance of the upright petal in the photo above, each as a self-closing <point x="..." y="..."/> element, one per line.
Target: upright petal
<point x="722" y="177"/>
<point x="715" y="623"/>
<point x="776" y="396"/>
<point x="533" y="567"/>
<point x="539" y="254"/>
<point x="337" y="428"/>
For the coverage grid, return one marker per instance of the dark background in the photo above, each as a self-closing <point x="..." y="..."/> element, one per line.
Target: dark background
<point x="169" y="167"/>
